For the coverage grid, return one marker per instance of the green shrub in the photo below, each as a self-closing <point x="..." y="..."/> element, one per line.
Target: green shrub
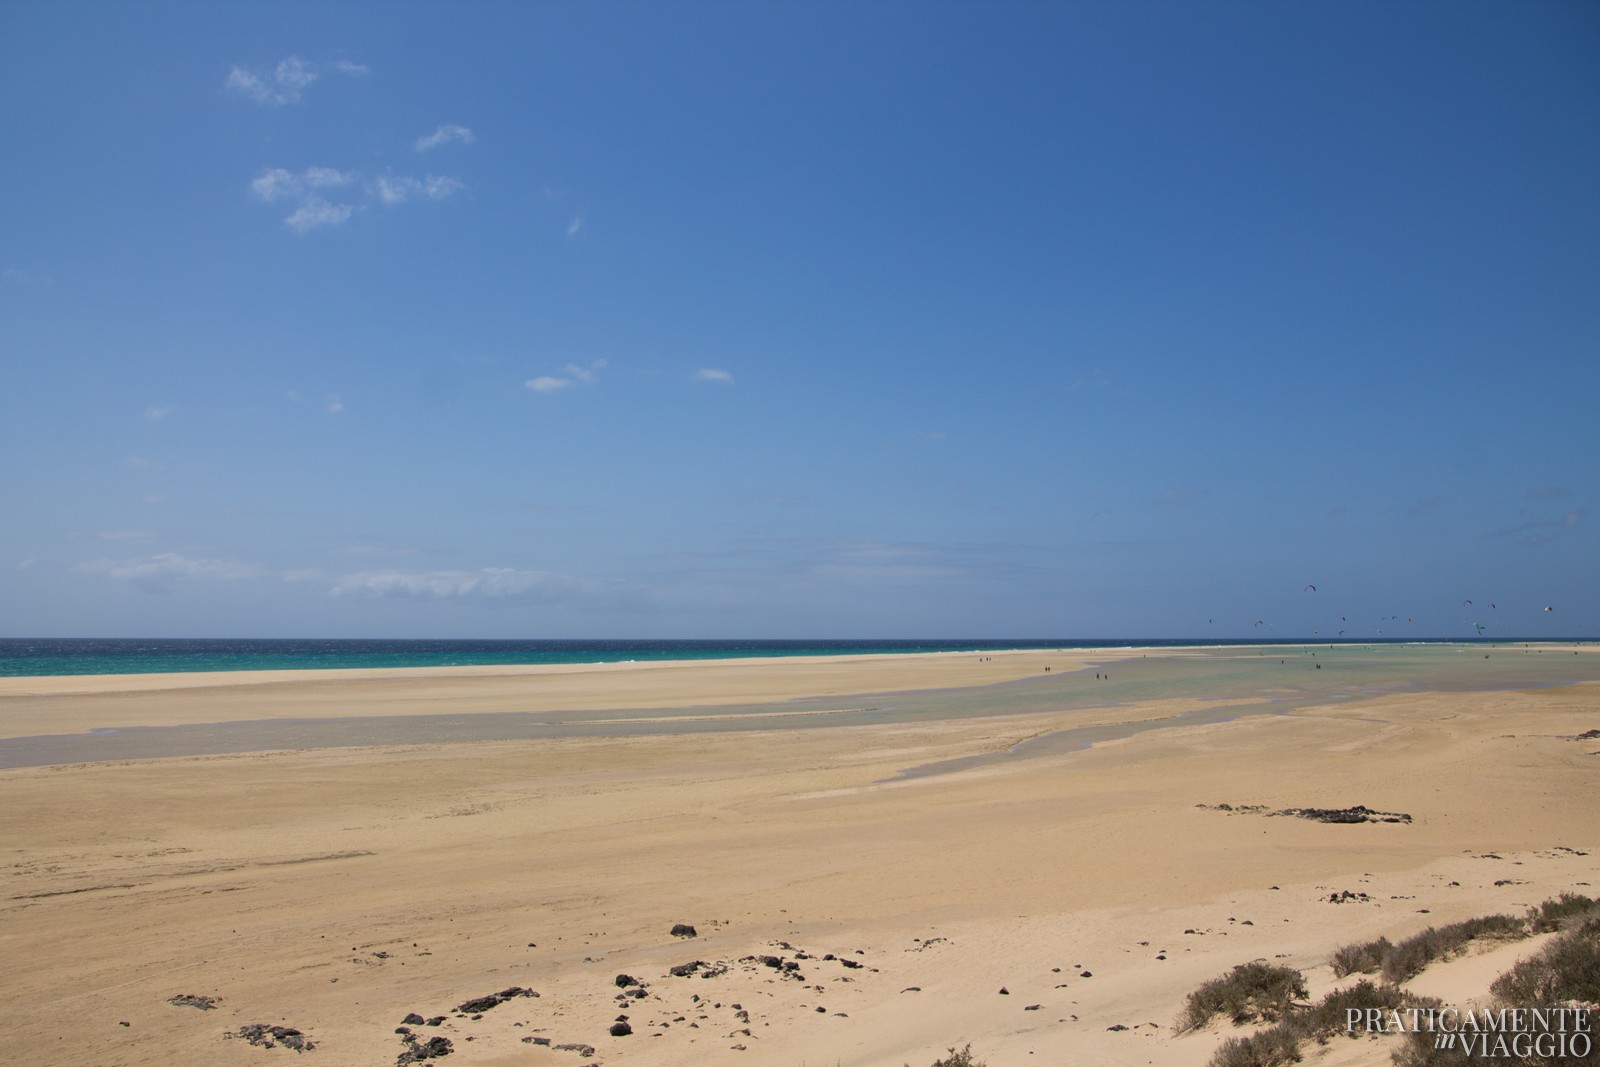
<point x="1417" y="1050"/>
<point x="1566" y="969"/>
<point x="1318" y="1022"/>
<point x="1552" y="915"/>
<point x="1411" y="956"/>
<point x="1365" y="958"/>
<point x="1249" y="992"/>
<point x="1269" y="1048"/>
<point x="1329" y="1015"/>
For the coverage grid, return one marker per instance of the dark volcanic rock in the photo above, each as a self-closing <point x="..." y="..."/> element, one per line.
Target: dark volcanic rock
<point x="684" y="970"/>
<point x="625" y="980"/>
<point x="573" y="1046"/>
<point x="418" y="1051"/>
<point x="620" y="1030"/>
<point x="1345" y="896"/>
<point x="1359" y="813"/>
<point x="481" y="1004"/>
<point x="683" y="930"/>
<point x="190" y="1000"/>
<point x="413" y="1019"/>
<point x="276" y="1036"/>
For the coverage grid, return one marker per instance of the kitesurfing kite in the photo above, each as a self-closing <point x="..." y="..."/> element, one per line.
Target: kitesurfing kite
<point x="1312" y="588"/>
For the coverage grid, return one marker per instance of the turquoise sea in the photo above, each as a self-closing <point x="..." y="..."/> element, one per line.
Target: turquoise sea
<point x="65" y="656"/>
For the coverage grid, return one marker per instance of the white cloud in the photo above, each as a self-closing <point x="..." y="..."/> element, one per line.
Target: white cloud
<point x="285" y="85"/>
<point x="713" y="374"/>
<point x="287" y="82"/>
<point x="550" y="383"/>
<point x="275" y="184"/>
<point x="125" y="535"/>
<point x="574" y="226"/>
<point x="280" y="184"/>
<point x="334" y="405"/>
<point x="392" y="190"/>
<point x="27" y="564"/>
<point x="442" y="136"/>
<point x="155" y="413"/>
<point x="161" y="572"/>
<point x="315" y="212"/>
<point x="313" y="209"/>
<point x="487" y="583"/>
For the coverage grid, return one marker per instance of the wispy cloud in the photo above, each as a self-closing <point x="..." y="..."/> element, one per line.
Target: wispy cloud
<point x="571" y="375"/>
<point x="488" y="583"/>
<point x="160" y="573"/>
<point x="279" y="184"/>
<point x="315" y="213"/>
<point x="574" y="226"/>
<point x="287" y="82"/>
<point x="1541" y="531"/>
<point x="157" y="412"/>
<point x="1549" y="492"/>
<point x="442" y="136"/>
<point x="333" y="404"/>
<point x="397" y="190"/>
<point x="311" y="189"/>
<point x="713" y="374"/>
<point x="312" y="210"/>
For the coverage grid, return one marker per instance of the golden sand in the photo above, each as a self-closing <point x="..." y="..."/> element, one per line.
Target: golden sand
<point x="335" y="891"/>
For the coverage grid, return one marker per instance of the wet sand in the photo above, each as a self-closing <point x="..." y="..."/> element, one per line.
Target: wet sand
<point x="334" y="890"/>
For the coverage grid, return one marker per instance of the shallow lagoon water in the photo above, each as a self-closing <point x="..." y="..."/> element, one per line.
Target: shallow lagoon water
<point x="1235" y="681"/>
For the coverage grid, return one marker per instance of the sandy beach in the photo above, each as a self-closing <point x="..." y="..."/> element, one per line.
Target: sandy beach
<point x="1054" y="905"/>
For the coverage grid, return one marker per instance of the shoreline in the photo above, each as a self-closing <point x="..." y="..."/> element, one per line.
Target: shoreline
<point x="74" y="718"/>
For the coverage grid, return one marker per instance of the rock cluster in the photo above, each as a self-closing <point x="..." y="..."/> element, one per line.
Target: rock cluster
<point x="275" y="1037"/>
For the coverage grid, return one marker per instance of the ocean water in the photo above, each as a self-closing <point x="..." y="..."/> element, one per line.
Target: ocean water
<point x="68" y="656"/>
<point x="61" y="656"/>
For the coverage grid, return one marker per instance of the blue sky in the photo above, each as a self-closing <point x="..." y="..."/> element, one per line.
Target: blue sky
<point x="799" y="319"/>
